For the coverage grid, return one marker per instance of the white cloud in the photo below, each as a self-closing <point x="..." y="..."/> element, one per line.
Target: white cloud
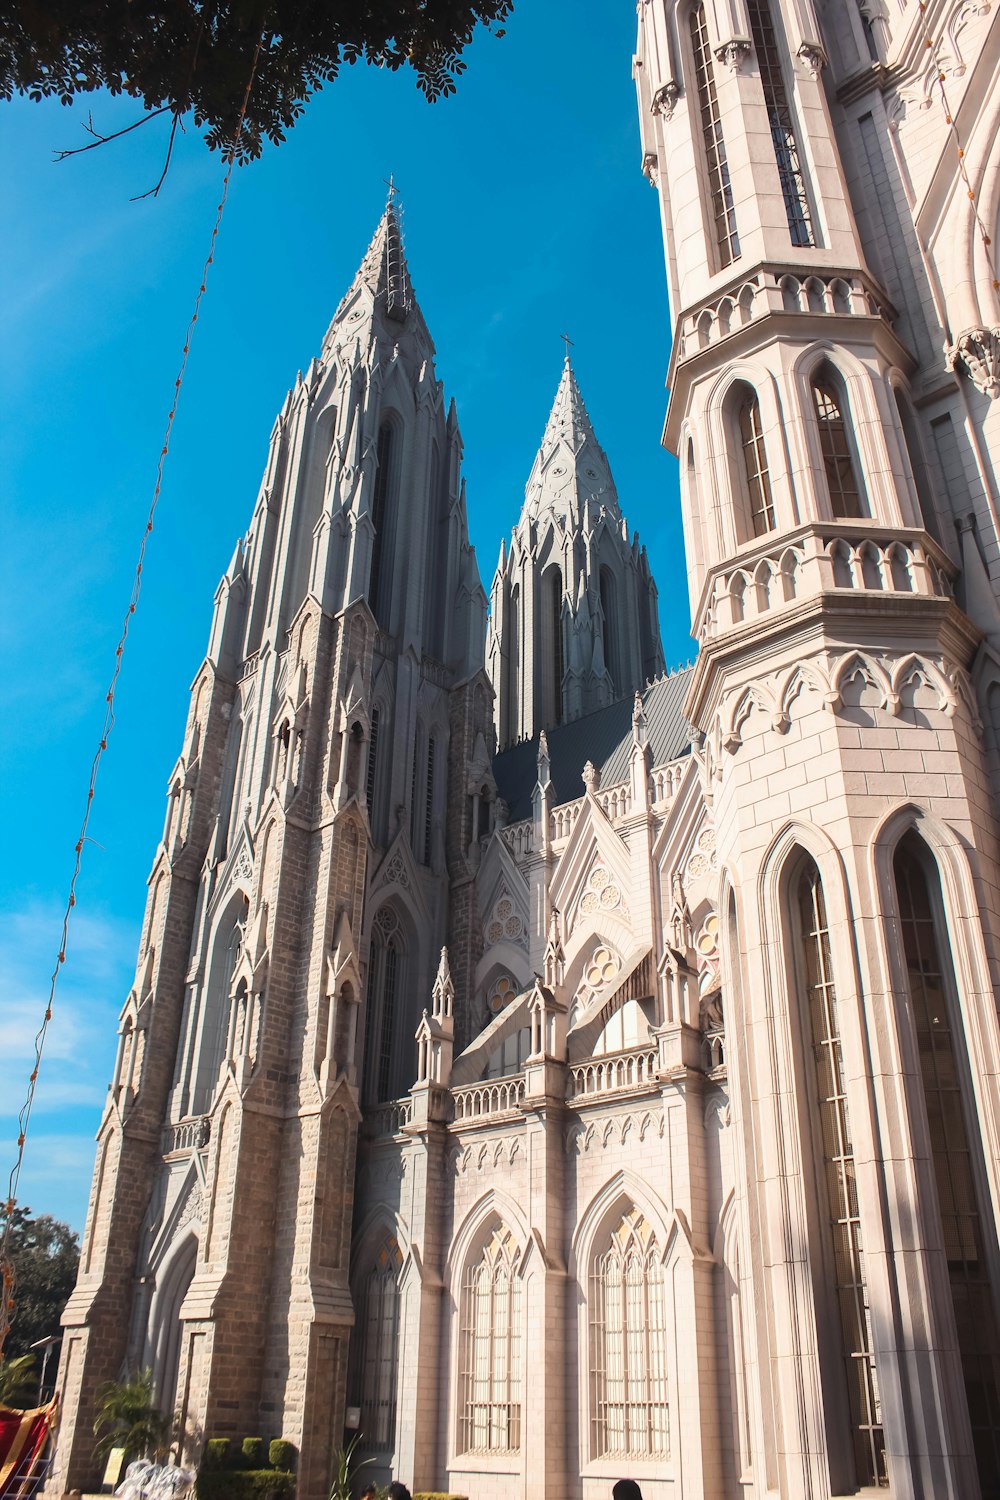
<point x="80" y="1041"/>
<point x="79" y="1049"/>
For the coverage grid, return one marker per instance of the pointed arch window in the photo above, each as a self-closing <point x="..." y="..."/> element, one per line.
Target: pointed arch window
<point x="376" y="1347"/>
<point x="216" y="1008"/>
<point x="552" y="662"/>
<point x="385" y="984"/>
<point x="372" y="773"/>
<point x="720" y="188"/>
<point x="756" y="474"/>
<point x="610" y="629"/>
<point x="835" y="1145"/>
<point x="629" y="1413"/>
<point x="512" y="717"/>
<point x="835" y="444"/>
<point x="956" y="1148"/>
<point x="380" y="583"/>
<point x="429" y="800"/>
<point x="782" y="124"/>
<point x="490" y="1377"/>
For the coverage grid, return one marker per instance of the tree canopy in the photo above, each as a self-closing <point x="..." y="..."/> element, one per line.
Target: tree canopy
<point x="196" y="56"/>
<point x="45" y="1254"/>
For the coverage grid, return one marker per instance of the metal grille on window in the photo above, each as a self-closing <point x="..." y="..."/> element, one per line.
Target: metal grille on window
<point x="958" y="1165"/>
<point x="376" y="1357"/>
<point x="629" y="1412"/>
<point x="838" y="463"/>
<point x="429" y="800"/>
<point x="372" y="761"/>
<point x="491" y="1350"/>
<point x="380" y="522"/>
<point x="841" y="1185"/>
<point x="727" y="240"/>
<point x="755" y="465"/>
<point x="779" y="118"/>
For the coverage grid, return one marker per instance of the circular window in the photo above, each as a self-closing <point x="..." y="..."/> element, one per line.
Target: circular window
<point x="502" y="993"/>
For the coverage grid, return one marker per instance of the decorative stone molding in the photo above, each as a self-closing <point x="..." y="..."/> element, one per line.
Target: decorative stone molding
<point x="734" y="53"/>
<point x="889" y="676"/>
<point x="650" y="169"/>
<point x="978" y="350"/>
<point x="812" y="58"/>
<point x="665" y="99"/>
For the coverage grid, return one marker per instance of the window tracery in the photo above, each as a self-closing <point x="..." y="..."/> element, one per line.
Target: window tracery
<point x="629" y="1413"/>
<point x="490" y="1377"/>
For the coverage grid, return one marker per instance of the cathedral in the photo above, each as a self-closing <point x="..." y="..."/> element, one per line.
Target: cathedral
<point x="544" y="1065"/>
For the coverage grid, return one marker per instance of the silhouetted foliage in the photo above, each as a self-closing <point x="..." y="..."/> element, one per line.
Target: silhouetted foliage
<point x="45" y="1254"/>
<point x="181" y="56"/>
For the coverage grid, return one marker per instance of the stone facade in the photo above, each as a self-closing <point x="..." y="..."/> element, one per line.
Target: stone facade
<point x="556" y="1067"/>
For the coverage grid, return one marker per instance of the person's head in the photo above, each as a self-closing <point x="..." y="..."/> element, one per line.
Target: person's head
<point x="626" y="1489"/>
<point x="371" y="1493"/>
<point x="398" y="1491"/>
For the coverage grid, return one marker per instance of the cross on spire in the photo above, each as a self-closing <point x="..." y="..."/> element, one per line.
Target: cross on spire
<point x="569" y="344"/>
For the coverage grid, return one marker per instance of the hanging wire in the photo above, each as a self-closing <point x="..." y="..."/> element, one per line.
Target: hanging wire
<point x="7" y="1276"/>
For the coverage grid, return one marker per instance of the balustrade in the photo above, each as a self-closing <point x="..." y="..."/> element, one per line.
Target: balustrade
<point x="475" y="1101"/>
<point x="820" y="557"/>
<point x="618" y="1073"/>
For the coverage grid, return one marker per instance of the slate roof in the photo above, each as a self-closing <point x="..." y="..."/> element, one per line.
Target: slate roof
<point x="603" y="737"/>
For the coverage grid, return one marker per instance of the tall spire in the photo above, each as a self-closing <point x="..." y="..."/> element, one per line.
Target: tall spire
<point x="384" y="267"/>
<point x="570" y="468"/>
<point x="383" y="272"/>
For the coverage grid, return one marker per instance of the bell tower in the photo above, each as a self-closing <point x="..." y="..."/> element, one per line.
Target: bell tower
<point x="839" y="732"/>
<point x="298" y="903"/>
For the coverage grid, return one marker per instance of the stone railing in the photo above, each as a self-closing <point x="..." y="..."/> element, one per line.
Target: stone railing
<point x="389" y="1119"/>
<point x="817" y="558"/>
<point x="665" y="780"/>
<point x="186" y="1135"/>
<point x="619" y="1073"/>
<point x="775" y="289"/>
<point x="498" y="1096"/>
<point x="519" y="838"/>
<point x="562" y="820"/>
<point x="617" y="800"/>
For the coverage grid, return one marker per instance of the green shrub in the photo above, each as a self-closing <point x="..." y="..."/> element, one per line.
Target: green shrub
<point x="244" y="1484"/>
<point x="281" y="1454"/>
<point x="254" y="1453"/>
<point x="216" y="1455"/>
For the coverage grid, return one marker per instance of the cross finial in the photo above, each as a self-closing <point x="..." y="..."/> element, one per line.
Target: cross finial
<point x="569" y="344"/>
<point x="390" y="183"/>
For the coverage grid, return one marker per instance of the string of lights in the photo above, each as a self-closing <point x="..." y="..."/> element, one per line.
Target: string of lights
<point x="949" y="115"/>
<point x="7" y="1270"/>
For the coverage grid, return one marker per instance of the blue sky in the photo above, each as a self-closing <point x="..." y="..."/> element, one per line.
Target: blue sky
<point x="525" y="216"/>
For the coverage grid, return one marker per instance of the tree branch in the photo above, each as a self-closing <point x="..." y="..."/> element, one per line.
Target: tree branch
<point x="102" y="140"/>
<point x="154" y="192"/>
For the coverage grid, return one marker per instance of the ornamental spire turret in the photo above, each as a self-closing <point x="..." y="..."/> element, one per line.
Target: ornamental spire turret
<point x="571" y="469"/>
<point x="574" y="622"/>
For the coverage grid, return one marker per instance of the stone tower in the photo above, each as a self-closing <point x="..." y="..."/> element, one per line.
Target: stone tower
<point x="573" y="622"/>
<point x="317" y="817"/>
<point x="838" y="481"/>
